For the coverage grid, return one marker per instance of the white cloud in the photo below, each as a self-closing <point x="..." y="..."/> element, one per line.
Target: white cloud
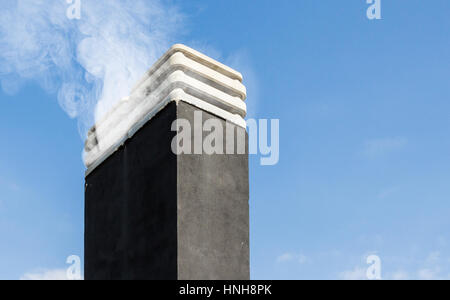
<point x="428" y="274"/>
<point x="56" y="274"/>
<point x="429" y="268"/>
<point x="433" y="257"/>
<point x="357" y="273"/>
<point x="432" y="267"/>
<point x="302" y="259"/>
<point x="289" y="257"/>
<point x="399" y="275"/>
<point x="379" y="147"/>
<point x="286" y="257"/>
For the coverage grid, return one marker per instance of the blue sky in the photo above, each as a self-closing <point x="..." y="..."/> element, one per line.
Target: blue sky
<point x="364" y="109"/>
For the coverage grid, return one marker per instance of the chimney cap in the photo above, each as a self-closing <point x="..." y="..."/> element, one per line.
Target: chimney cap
<point x="181" y="74"/>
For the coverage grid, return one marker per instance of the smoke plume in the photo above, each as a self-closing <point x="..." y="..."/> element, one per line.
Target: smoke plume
<point x="89" y="63"/>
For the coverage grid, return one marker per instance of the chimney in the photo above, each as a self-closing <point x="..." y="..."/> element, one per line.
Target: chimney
<point x="153" y="211"/>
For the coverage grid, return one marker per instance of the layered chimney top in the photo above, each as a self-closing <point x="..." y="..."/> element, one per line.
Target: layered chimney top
<point x="181" y="74"/>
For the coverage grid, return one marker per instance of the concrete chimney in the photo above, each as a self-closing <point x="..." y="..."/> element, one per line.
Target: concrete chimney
<point x="153" y="214"/>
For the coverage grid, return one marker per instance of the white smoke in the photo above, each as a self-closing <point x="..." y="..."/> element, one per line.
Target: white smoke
<point x="89" y="63"/>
